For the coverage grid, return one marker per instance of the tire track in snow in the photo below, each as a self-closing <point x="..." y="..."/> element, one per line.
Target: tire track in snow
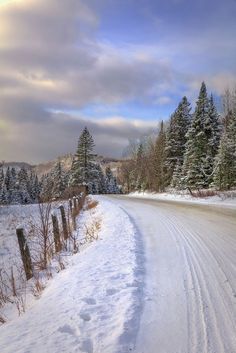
<point x="224" y="306"/>
<point x="194" y="247"/>
<point x="194" y="298"/>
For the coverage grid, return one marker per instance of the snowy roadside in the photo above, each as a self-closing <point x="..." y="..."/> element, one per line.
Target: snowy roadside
<point x="94" y="304"/>
<point x="186" y="198"/>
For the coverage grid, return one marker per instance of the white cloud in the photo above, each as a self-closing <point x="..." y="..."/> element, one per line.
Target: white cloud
<point x="50" y="58"/>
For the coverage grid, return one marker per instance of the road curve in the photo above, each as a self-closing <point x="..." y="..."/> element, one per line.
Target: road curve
<point x="190" y="287"/>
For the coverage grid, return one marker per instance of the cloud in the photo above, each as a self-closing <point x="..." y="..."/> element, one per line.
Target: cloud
<point x="51" y="58"/>
<point x="58" y="134"/>
<point x="163" y="100"/>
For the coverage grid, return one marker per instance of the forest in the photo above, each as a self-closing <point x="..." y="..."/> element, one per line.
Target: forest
<point x="192" y="151"/>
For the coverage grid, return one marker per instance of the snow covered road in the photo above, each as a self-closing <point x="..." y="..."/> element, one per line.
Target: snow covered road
<point x="190" y="289"/>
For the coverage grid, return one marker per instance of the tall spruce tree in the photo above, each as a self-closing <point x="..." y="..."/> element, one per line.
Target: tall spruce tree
<point x="110" y="182"/>
<point x="23" y="186"/>
<point x="225" y="161"/>
<point x="83" y="167"/>
<point x="195" y="158"/>
<point x="140" y="173"/>
<point x="99" y="184"/>
<point x="176" y="138"/>
<point x="58" y="178"/>
<point x="212" y="129"/>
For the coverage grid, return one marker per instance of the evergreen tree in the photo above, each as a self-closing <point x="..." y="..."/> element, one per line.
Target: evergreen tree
<point x="159" y="160"/>
<point x="83" y="167"/>
<point x="1" y="178"/>
<point x="7" y="180"/>
<point x="46" y="187"/>
<point x="57" y="175"/>
<point x="110" y="182"/>
<point x="176" y="138"/>
<point x="13" y="188"/>
<point x="195" y="158"/>
<point x="4" y="198"/>
<point x="212" y="130"/>
<point x="35" y="187"/>
<point x="99" y="184"/>
<point x="140" y="170"/>
<point x="23" y="185"/>
<point x="177" y="178"/>
<point x="225" y="162"/>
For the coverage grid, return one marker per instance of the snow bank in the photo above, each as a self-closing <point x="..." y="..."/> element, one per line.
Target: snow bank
<point x="212" y="200"/>
<point x="93" y="305"/>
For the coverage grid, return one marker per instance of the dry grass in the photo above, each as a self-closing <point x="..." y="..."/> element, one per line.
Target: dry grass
<point x="38" y="287"/>
<point x="2" y="320"/>
<point x="13" y="284"/>
<point x="90" y="204"/>
<point x="92" y="230"/>
<point x="204" y="193"/>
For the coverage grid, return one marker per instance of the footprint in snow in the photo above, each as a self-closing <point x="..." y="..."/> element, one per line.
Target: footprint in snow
<point x="67" y="329"/>
<point x="85" y="316"/>
<point x="111" y="291"/>
<point x="87" y="346"/>
<point x="89" y="301"/>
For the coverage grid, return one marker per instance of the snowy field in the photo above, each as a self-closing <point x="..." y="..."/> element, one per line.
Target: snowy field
<point x="26" y="216"/>
<point x="94" y="304"/>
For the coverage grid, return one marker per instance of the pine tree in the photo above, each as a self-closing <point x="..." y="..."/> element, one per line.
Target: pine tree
<point x="57" y="175"/>
<point x="7" y="179"/>
<point x="13" y="190"/>
<point x="140" y="174"/>
<point x="159" y="160"/>
<point x="99" y="183"/>
<point x="110" y="182"/>
<point x="23" y="184"/>
<point x="195" y="158"/>
<point x="212" y="128"/>
<point x="177" y="178"/>
<point x="176" y="138"/>
<point x="83" y="167"/>
<point x="225" y="162"/>
<point x="46" y="187"/>
<point x="1" y="178"/>
<point x="35" y="188"/>
<point x="223" y="175"/>
<point x="4" y="196"/>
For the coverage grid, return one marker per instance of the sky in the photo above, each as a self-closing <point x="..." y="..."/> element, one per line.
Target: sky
<point x="116" y="66"/>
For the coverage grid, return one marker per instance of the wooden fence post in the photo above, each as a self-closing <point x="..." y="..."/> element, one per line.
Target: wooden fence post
<point x="78" y="203"/>
<point x="83" y="199"/>
<point x="73" y="215"/>
<point x="64" y="223"/>
<point x="25" y="253"/>
<point x="70" y="205"/>
<point x="74" y="204"/>
<point x="56" y="233"/>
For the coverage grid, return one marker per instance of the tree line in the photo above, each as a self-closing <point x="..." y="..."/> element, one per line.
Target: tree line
<point x="23" y="186"/>
<point x="18" y="186"/>
<point x="85" y="170"/>
<point x="192" y="150"/>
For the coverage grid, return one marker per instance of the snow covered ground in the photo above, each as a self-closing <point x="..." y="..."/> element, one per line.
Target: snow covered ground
<point x="190" y="282"/>
<point x="160" y="278"/>
<point x="223" y="199"/>
<point x="94" y="304"/>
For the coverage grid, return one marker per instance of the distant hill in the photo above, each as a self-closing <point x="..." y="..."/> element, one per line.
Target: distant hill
<point x="66" y="162"/>
<point x="16" y="165"/>
<point x="45" y="168"/>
